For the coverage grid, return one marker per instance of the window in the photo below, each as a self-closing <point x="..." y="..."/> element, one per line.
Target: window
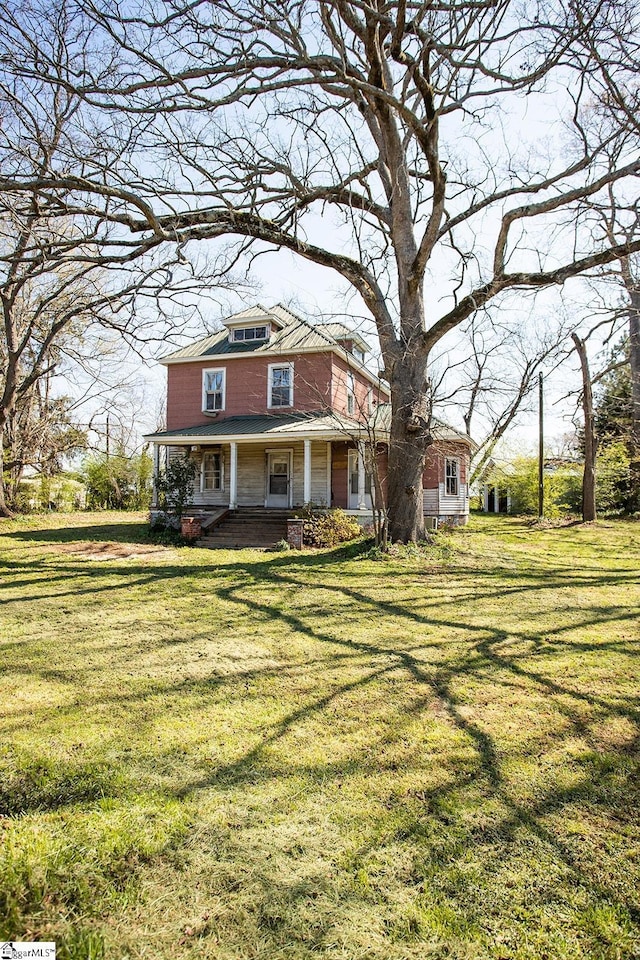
<point x="451" y="477"/>
<point x="280" y="385"/>
<point x="371" y="403"/>
<point x="351" y="393"/>
<point x="213" y="382"/>
<point x="358" y="354"/>
<point x="250" y="333"/>
<point x="211" y="472"/>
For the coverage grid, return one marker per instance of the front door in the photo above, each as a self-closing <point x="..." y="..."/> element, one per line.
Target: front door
<point x="278" y="479"/>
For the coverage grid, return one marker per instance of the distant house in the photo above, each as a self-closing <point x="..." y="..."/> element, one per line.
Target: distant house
<point x="495" y="487"/>
<point x="278" y="413"/>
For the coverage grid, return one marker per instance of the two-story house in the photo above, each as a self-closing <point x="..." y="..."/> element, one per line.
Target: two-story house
<point x="278" y="413"/>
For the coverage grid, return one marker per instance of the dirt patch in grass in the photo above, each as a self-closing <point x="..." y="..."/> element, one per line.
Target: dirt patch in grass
<point x="110" y="551"/>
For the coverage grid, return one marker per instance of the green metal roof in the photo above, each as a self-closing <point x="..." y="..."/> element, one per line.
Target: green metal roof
<point x="380" y="422"/>
<point x="296" y="334"/>
<point x="287" y="425"/>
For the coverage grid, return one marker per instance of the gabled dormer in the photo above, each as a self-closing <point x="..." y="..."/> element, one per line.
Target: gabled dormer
<point x="255" y="326"/>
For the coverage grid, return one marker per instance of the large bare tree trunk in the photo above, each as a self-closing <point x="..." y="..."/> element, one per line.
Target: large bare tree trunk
<point x="4" y="509"/>
<point x="408" y="443"/>
<point x="590" y="445"/>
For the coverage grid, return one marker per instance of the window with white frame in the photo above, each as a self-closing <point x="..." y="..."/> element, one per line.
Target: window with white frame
<point x="213" y="386"/>
<point x="358" y="354"/>
<point x="351" y="392"/>
<point x="280" y="393"/>
<point x="250" y="333"/>
<point x="211" y="477"/>
<point x="451" y="477"/>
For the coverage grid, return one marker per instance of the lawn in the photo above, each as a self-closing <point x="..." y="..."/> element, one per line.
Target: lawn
<point x="321" y="755"/>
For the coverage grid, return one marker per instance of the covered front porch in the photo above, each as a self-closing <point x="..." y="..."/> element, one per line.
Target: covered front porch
<point x="291" y="464"/>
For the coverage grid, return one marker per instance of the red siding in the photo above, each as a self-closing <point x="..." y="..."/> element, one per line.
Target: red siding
<point x="362" y="385"/>
<point x="436" y="455"/>
<point x="246" y="387"/>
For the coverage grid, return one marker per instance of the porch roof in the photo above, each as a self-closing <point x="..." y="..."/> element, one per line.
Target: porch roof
<point x="300" y="426"/>
<point x="380" y="425"/>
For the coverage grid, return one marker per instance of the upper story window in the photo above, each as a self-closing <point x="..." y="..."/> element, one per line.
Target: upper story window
<point x="451" y="477"/>
<point x="280" y="391"/>
<point x="249" y="333"/>
<point x="358" y="353"/>
<point x="351" y="392"/>
<point x="371" y="401"/>
<point x="213" y="386"/>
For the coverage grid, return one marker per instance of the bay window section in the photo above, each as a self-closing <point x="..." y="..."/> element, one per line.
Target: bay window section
<point x="351" y="393"/>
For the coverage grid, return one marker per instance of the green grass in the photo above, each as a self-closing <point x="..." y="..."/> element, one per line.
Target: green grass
<point x="245" y="755"/>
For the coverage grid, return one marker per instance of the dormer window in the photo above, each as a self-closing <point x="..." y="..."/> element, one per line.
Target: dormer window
<point x="240" y="334"/>
<point x="358" y="353"/>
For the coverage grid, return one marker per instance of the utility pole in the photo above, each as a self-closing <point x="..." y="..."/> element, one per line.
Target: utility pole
<point x="540" y="448"/>
<point x="108" y="438"/>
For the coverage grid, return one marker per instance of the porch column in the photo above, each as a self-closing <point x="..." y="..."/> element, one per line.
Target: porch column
<point x="362" y="505"/>
<point x="329" y="473"/>
<point x="233" y="476"/>
<point x="485" y="497"/>
<point x="156" y="472"/>
<point x="496" y="499"/>
<point x="306" y="490"/>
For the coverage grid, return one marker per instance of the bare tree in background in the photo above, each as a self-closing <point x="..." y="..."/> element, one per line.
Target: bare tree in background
<point x="493" y="375"/>
<point x="620" y="220"/>
<point x="590" y="442"/>
<point x="63" y="288"/>
<point x="378" y="139"/>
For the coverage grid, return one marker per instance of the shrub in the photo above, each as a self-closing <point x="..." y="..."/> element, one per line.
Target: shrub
<point x="175" y="485"/>
<point x="282" y="546"/>
<point x="613" y="478"/>
<point x="562" y="489"/>
<point x="119" y="481"/>
<point x="331" y="528"/>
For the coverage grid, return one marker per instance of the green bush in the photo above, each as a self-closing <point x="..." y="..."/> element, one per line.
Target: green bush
<point x="118" y="481"/>
<point x="175" y="485"/>
<point x="562" y="488"/>
<point x="613" y="478"/>
<point x="331" y="528"/>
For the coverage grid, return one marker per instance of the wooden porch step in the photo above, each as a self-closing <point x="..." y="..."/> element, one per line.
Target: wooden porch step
<point x="247" y="527"/>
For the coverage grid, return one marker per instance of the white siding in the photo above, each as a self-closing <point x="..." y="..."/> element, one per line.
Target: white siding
<point x="252" y="465"/>
<point x="452" y="506"/>
<point x="430" y="502"/>
<point x="319" y="473"/>
<point x="252" y="460"/>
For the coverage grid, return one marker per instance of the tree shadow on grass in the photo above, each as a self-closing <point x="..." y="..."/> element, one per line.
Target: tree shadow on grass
<point x="477" y="815"/>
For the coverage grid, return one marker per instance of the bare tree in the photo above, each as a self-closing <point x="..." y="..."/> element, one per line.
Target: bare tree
<point x="621" y="221"/>
<point x="394" y="122"/>
<point x="590" y="444"/>
<point x="491" y="375"/>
